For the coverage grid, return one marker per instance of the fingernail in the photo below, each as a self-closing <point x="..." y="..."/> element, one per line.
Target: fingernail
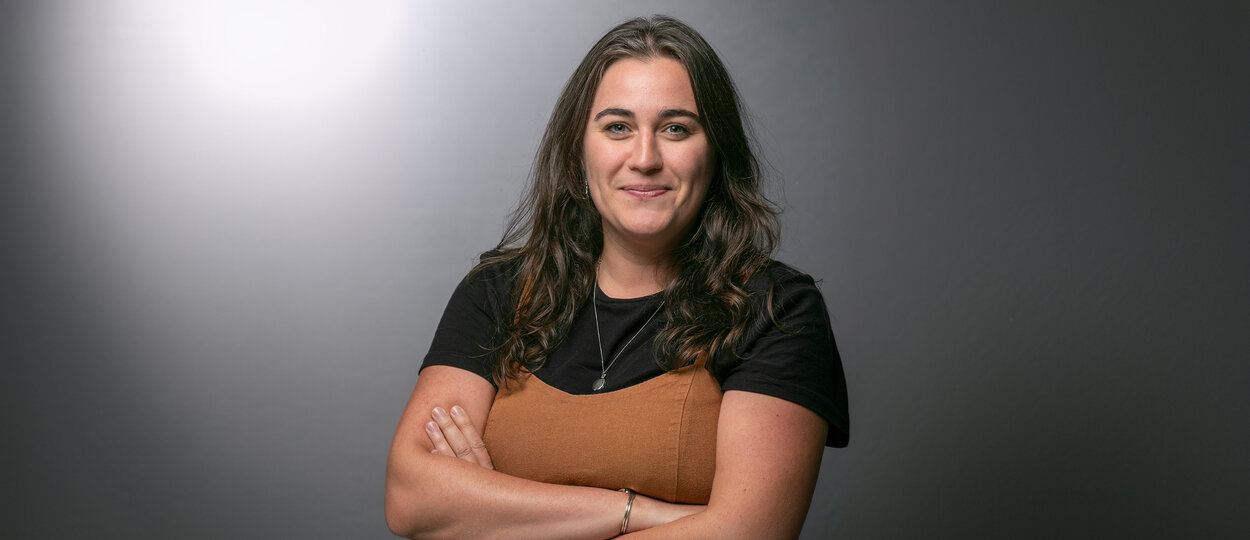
<point x="456" y="410"/>
<point x="434" y="451"/>
<point x="431" y="427"/>
<point x="439" y="413"/>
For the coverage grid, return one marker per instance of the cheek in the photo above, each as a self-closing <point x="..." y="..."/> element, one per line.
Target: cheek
<point x="700" y="167"/>
<point x="597" y="158"/>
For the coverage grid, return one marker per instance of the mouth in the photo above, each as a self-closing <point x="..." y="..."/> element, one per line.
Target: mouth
<point x="645" y="191"/>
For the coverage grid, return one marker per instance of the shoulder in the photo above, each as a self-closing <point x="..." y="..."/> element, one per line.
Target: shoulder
<point x="495" y="265"/>
<point x="493" y="274"/>
<point x="777" y="275"/>
<point x="780" y="290"/>
<point x="483" y="294"/>
<point x="467" y="332"/>
<point x="788" y="350"/>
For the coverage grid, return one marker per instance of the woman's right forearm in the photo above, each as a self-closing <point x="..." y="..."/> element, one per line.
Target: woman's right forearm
<point x="437" y="496"/>
<point x="430" y="496"/>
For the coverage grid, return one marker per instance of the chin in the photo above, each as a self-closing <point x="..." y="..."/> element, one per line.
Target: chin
<point x="647" y="229"/>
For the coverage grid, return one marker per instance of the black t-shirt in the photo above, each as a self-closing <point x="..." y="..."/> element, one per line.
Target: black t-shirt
<point x="793" y="358"/>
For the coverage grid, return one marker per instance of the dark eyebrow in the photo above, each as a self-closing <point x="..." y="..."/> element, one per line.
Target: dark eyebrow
<point x="675" y="113"/>
<point x="618" y="112"/>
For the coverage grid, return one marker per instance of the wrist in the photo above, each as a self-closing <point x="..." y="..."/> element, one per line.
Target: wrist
<point x="647" y="513"/>
<point x="629" y="506"/>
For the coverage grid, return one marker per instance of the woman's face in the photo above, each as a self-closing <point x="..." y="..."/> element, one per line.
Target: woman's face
<point x="647" y="158"/>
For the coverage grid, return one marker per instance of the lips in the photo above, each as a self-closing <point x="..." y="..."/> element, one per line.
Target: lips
<point x="645" y="191"/>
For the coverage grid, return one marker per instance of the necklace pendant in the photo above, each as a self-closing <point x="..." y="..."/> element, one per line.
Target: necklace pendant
<point x="598" y="384"/>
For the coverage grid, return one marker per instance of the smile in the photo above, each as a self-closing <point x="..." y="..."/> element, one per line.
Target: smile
<point x="645" y="191"/>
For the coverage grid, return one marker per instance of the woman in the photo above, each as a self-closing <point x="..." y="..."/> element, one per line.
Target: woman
<point x="629" y="333"/>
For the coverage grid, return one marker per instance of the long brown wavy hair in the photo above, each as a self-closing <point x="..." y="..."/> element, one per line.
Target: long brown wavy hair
<point x="555" y="236"/>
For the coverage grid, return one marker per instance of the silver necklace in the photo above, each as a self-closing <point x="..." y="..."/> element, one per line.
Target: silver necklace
<point x="603" y="375"/>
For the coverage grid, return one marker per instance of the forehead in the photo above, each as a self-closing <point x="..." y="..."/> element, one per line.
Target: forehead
<point x="641" y="85"/>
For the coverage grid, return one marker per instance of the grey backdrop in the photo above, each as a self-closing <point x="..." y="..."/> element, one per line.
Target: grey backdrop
<point x="1030" y="222"/>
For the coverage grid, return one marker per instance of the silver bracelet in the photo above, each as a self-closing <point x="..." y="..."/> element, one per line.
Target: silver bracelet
<point x="629" y="505"/>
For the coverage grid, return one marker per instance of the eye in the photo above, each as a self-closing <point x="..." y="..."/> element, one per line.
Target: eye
<point x="616" y="128"/>
<point x="677" y="130"/>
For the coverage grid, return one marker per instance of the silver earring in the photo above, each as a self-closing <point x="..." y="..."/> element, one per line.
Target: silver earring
<point x="586" y="186"/>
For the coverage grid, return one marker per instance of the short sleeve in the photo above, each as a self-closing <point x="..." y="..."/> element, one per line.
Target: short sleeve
<point x="792" y="354"/>
<point x="466" y="334"/>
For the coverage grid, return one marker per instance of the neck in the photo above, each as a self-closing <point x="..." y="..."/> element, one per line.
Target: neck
<point x="624" y="273"/>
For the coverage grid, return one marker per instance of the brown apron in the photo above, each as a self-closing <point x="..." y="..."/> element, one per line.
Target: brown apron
<point x="657" y="437"/>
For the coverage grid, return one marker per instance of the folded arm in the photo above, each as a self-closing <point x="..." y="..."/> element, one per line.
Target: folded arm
<point x="768" y="453"/>
<point x="437" y="496"/>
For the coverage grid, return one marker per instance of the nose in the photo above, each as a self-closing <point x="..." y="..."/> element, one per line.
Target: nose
<point x="646" y="157"/>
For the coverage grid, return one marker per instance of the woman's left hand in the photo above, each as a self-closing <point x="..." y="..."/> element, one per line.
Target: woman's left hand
<point x="454" y="435"/>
